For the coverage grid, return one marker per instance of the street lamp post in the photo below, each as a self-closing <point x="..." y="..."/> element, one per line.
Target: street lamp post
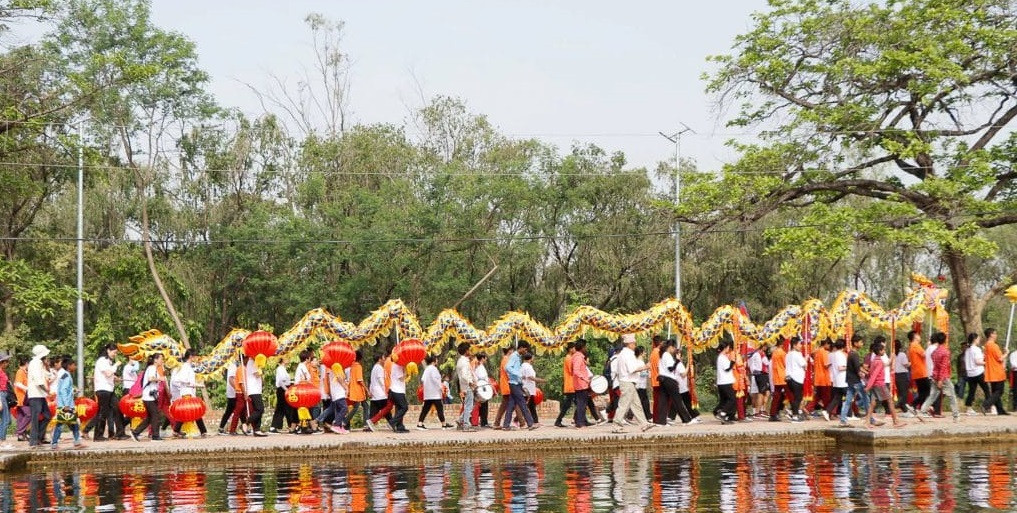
<point x="81" y="260"/>
<point x="676" y="138"/>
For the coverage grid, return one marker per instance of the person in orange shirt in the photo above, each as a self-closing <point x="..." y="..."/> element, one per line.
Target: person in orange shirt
<point x="357" y="394"/>
<point x="778" y="381"/>
<point x="503" y="386"/>
<point x="919" y="370"/>
<point x="659" y="399"/>
<point x="821" y="378"/>
<point x="995" y="373"/>
<point x="20" y="388"/>
<point x="568" y="390"/>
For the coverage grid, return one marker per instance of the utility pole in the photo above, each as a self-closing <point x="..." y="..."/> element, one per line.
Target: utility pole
<point x="676" y="139"/>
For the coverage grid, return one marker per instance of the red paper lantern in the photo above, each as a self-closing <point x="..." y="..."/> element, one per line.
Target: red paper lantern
<point x="303" y="395"/>
<point x="409" y="350"/>
<point x="187" y="409"/>
<point x="132" y="407"/>
<point x="538" y="397"/>
<point x="259" y="345"/>
<point x="86" y="408"/>
<point x="339" y="351"/>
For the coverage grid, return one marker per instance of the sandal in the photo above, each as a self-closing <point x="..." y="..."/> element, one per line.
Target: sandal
<point x="900" y="424"/>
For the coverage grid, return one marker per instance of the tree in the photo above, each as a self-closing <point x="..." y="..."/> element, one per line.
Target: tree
<point x="885" y="122"/>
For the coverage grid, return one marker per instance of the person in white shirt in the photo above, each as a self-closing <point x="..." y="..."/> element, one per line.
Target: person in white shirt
<point x="38" y="390"/>
<point x="671" y="382"/>
<point x="974" y="365"/>
<point x="480" y="372"/>
<point x="185" y="382"/>
<point x="901" y="374"/>
<point x="467" y="386"/>
<point x="307" y="372"/>
<point x="682" y="373"/>
<point x="149" y="394"/>
<point x="642" y="386"/>
<point x="103" y="380"/>
<point x="760" y="381"/>
<point x="231" y="396"/>
<point x="1013" y="380"/>
<point x="794" y="366"/>
<point x="336" y="410"/>
<point x="430" y="381"/>
<point x="283" y="411"/>
<point x="626" y="371"/>
<point x="530" y="380"/>
<point x="129" y="375"/>
<point x="253" y="386"/>
<point x="381" y="406"/>
<point x="397" y="393"/>
<point x="725" y="410"/>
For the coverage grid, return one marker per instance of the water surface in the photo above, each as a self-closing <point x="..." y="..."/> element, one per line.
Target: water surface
<point x="663" y="479"/>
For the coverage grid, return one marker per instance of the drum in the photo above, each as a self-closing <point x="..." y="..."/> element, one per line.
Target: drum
<point x="598" y="384"/>
<point x="484" y="391"/>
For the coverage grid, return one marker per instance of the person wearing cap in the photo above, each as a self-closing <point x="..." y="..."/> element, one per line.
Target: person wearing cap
<point x="38" y="390"/>
<point x="5" y="411"/>
<point x="627" y="374"/>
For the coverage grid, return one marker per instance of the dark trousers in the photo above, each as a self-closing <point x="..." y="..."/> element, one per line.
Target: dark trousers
<point x="24" y="418"/>
<point x="777" y="401"/>
<point x="151" y="419"/>
<point x="38" y="408"/>
<point x="796" y="395"/>
<point x="359" y="405"/>
<point x="199" y="422"/>
<point x="438" y="407"/>
<point x="401" y="406"/>
<point x="483" y="411"/>
<point x="283" y="410"/>
<point x="257" y="410"/>
<point x="1013" y="390"/>
<point x="582" y="402"/>
<point x="516" y="398"/>
<point x="644" y="400"/>
<point x="564" y="406"/>
<point x="973" y="382"/>
<point x="726" y="395"/>
<point x="106" y="418"/>
<point x="995" y="397"/>
<point x="612" y="403"/>
<point x="924" y="386"/>
<point x="659" y="401"/>
<point x="231" y="404"/>
<point x="836" y="400"/>
<point x="531" y="403"/>
<point x="687" y="401"/>
<point x="671" y="399"/>
<point x="903" y="381"/>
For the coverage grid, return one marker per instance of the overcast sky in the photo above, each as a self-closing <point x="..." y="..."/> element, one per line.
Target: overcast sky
<point x="608" y="72"/>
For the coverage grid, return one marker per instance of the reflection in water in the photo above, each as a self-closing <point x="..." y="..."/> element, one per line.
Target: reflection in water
<point x="628" y="481"/>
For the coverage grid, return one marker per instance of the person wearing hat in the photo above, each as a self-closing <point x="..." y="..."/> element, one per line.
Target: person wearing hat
<point x="38" y="389"/>
<point x="627" y="374"/>
<point x="5" y="411"/>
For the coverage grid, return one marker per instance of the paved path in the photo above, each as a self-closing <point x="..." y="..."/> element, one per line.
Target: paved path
<point x="709" y="435"/>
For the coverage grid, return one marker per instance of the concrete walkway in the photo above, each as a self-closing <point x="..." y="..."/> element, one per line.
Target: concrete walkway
<point x="710" y="435"/>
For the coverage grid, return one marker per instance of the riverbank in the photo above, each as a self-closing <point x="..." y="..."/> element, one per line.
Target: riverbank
<point x="709" y="436"/>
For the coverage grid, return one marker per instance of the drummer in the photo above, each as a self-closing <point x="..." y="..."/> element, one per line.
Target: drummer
<point x="480" y="411"/>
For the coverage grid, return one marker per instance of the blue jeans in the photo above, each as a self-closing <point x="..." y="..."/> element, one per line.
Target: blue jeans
<point x="467" y="408"/>
<point x="516" y="398"/>
<point x="75" y="430"/>
<point x="336" y="411"/>
<point x="5" y="416"/>
<point x="856" y="390"/>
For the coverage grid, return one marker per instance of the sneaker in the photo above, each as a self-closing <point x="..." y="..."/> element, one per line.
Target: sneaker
<point x="877" y="423"/>
<point x="648" y="427"/>
<point x="796" y="420"/>
<point x="695" y="421"/>
<point x="54" y="447"/>
<point x="343" y="431"/>
<point x="825" y="414"/>
<point x="80" y="446"/>
<point x="369" y="426"/>
<point x="403" y="430"/>
<point x="274" y="431"/>
<point x="971" y="412"/>
<point x="852" y="418"/>
<point x="135" y="436"/>
<point x="843" y="424"/>
<point x="222" y="432"/>
<point x="421" y="427"/>
<point x="259" y="433"/>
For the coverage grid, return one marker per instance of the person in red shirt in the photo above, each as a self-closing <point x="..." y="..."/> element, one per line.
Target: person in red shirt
<point x="941" y="384"/>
